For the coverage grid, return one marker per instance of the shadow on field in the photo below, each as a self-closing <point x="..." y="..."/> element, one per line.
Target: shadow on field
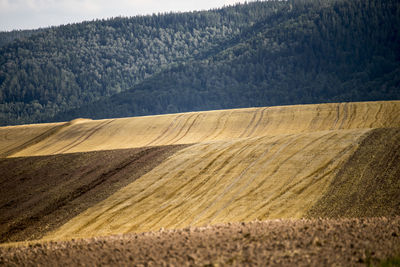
<point x="39" y="194"/>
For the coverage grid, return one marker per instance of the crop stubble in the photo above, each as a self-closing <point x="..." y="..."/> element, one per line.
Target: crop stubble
<point x="329" y="160"/>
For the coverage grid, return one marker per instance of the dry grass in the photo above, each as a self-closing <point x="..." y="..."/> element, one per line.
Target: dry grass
<point x="16" y="138"/>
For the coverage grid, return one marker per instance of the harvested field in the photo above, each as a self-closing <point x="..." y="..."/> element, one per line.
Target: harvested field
<point x="220" y="182"/>
<point x="106" y="181"/>
<point x="16" y="138"/>
<point x="339" y="242"/>
<point x="39" y="194"/>
<point x="287" y="176"/>
<point x="196" y="127"/>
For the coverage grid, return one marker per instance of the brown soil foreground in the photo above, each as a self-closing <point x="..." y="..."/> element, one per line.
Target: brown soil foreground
<point x="318" y="242"/>
<point x="39" y="194"/>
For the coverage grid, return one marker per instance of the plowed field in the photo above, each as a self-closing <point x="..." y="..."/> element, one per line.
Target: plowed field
<point x="344" y="242"/>
<point x="87" y="178"/>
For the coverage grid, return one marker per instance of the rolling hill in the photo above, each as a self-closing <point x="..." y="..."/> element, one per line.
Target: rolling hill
<point x="113" y="178"/>
<point x="261" y="133"/>
<point x="187" y="128"/>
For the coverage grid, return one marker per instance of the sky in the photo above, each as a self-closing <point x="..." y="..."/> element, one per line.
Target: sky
<point x="33" y="14"/>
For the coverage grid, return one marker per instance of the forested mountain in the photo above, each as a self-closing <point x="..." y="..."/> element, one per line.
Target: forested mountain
<point x="255" y="54"/>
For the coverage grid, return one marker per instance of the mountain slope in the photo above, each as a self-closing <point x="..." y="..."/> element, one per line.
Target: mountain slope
<point x="311" y="54"/>
<point x="72" y="65"/>
<point x="10" y="36"/>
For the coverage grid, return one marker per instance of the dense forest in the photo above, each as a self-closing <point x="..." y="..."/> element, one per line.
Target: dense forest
<point x="9" y="37"/>
<point x="255" y="54"/>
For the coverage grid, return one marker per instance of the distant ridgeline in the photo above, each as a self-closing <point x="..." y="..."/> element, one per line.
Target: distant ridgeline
<point x="255" y="54"/>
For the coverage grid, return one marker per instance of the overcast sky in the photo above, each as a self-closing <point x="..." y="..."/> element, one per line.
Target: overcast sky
<point x="33" y="14"/>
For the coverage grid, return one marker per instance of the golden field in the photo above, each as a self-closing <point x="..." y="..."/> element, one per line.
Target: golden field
<point x="83" y="135"/>
<point x="225" y="181"/>
<point x="237" y="165"/>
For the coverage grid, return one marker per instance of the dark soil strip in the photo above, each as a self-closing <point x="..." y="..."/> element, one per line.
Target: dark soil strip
<point x="337" y="242"/>
<point x="39" y="194"/>
<point x="368" y="184"/>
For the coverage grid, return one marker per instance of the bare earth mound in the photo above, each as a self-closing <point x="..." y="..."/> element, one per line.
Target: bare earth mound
<point x="39" y="194"/>
<point x="343" y="242"/>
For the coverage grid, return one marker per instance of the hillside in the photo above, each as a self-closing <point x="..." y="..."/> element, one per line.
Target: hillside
<point x="11" y="36"/>
<point x="188" y="128"/>
<point x="251" y="55"/>
<point x="40" y="194"/>
<point x="313" y="54"/>
<point x="72" y="65"/>
<point x="222" y="182"/>
<point x="237" y="165"/>
<point x="227" y="182"/>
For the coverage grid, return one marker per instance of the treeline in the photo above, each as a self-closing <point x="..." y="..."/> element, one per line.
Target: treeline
<point x="257" y="54"/>
<point x="72" y="65"/>
<point x="347" y="51"/>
